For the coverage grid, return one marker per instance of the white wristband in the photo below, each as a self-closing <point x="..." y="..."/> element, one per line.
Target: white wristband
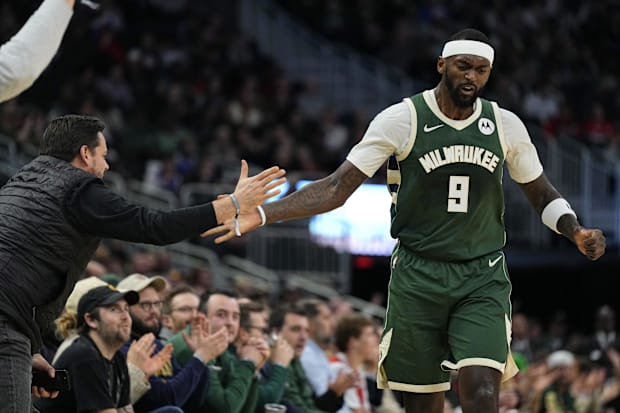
<point x="235" y="202"/>
<point x="263" y="217"/>
<point x="554" y="210"/>
<point x="236" y="226"/>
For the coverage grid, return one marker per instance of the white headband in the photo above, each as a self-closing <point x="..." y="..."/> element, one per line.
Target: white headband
<point x="456" y="47"/>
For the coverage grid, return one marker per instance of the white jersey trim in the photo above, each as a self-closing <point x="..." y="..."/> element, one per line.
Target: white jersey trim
<point x="431" y="101"/>
<point x="391" y="132"/>
<point x="500" y="128"/>
<point x="412" y="133"/>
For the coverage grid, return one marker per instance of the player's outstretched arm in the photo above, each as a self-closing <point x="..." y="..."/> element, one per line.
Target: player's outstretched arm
<point x="320" y="196"/>
<point x="557" y="214"/>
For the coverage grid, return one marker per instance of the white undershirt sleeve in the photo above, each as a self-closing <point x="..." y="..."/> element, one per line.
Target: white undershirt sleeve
<point x="521" y="158"/>
<point x="387" y="135"/>
<point x="27" y="54"/>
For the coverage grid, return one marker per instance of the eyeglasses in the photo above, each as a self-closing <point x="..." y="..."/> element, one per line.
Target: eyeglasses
<point x="264" y="330"/>
<point x="186" y="309"/>
<point x="148" y="305"/>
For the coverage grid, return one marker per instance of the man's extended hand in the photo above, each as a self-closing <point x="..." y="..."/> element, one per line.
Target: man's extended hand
<point x="255" y="190"/>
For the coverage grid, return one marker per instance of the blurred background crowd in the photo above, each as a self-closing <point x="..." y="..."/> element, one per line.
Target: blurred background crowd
<point x="185" y="94"/>
<point x="182" y="85"/>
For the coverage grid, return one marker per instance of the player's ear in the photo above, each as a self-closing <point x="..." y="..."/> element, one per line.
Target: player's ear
<point x="441" y="65"/>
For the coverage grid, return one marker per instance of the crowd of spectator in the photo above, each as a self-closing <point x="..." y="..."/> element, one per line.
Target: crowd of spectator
<point x="185" y="93"/>
<point x="227" y="350"/>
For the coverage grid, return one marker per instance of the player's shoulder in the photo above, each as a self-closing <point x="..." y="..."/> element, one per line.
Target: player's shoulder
<point x="394" y="111"/>
<point x="510" y="119"/>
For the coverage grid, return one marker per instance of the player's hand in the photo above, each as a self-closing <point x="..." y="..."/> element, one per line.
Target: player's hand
<point x="591" y="242"/>
<point x="39" y="363"/>
<point x="255" y="190"/>
<point x="226" y="231"/>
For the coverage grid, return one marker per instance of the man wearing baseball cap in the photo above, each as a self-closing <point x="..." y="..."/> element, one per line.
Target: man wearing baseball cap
<point x="146" y="314"/>
<point x="173" y="385"/>
<point x="97" y="369"/>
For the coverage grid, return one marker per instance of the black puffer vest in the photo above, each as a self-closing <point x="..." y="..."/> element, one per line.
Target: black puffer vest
<point x="42" y="254"/>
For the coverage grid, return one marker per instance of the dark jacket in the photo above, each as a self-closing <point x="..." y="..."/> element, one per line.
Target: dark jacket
<point x="41" y="254"/>
<point x="51" y="215"/>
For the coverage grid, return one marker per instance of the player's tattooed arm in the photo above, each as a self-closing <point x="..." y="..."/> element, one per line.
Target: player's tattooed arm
<point x="318" y="197"/>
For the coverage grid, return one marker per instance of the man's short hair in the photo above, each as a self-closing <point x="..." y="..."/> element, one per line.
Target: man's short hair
<point x="245" y="309"/>
<point x="177" y="290"/>
<point x="204" y="299"/>
<point x="311" y="306"/>
<point x="276" y="319"/>
<point x="65" y="135"/>
<point x="350" y="326"/>
<point x="83" y="327"/>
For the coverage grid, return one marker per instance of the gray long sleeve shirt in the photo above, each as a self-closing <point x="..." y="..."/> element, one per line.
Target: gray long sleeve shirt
<point x="27" y="54"/>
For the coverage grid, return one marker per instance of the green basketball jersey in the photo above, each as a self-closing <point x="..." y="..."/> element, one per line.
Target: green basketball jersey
<point x="447" y="196"/>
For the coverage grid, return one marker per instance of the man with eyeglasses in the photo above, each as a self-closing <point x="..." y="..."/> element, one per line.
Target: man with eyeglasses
<point x="253" y="324"/>
<point x="180" y="307"/>
<point x="174" y="385"/>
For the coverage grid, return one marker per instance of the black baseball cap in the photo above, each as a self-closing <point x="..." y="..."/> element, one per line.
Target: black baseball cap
<point x="101" y="297"/>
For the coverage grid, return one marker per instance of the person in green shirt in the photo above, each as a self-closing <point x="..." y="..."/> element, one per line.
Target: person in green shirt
<point x="253" y="325"/>
<point x="233" y="384"/>
<point x="291" y="324"/>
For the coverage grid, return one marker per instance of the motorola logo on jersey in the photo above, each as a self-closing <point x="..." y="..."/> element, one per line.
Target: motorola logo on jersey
<point x="486" y="126"/>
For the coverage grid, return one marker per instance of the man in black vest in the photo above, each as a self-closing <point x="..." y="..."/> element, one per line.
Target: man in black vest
<point x="53" y="213"/>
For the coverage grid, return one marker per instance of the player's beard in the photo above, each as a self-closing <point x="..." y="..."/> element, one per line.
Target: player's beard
<point x="459" y="100"/>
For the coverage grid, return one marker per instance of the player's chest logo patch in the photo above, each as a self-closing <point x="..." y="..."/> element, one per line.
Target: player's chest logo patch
<point x="486" y="126"/>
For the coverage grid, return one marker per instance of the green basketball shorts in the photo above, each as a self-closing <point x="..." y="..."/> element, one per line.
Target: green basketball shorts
<point x="443" y="316"/>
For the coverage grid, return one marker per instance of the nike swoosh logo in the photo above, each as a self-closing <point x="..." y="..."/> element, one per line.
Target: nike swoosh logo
<point x="495" y="261"/>
<point x="431" y="128"/>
